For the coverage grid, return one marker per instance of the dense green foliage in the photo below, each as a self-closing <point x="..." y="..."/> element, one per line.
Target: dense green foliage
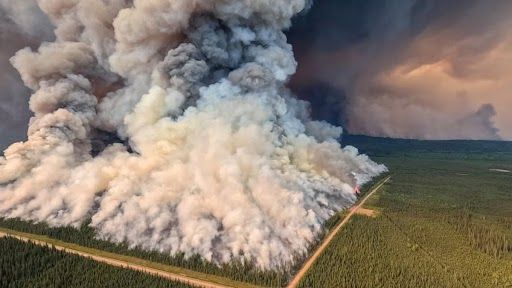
<point x="442" y="222"/>
<point x="85" y="236"/>
<point x="28" y="265"/>
<point x="453" y="149"/>
<point x="482" y="237"/>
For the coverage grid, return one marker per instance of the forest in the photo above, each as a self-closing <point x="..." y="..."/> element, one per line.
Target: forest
<point x="85" y="236"/>
<point x="430" y="149"/>
<point x="441" y="222"/>
<point x="25" y="264"/>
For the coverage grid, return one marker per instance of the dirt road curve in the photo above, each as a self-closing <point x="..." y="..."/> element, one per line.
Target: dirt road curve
<point x="296" y="280"/>
<point x="123" y="264"/>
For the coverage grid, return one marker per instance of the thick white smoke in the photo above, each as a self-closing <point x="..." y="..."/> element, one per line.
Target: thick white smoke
<point x="218" y="158"/>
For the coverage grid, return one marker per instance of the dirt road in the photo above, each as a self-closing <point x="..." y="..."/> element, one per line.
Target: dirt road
<point x="123" y="264"/>
<point x="296" y="280"/>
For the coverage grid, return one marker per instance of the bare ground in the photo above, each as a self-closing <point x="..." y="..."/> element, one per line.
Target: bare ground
<point x="367" y="212"/>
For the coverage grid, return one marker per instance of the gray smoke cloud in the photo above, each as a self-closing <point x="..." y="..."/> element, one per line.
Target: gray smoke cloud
<point x="422" y="69"/>
<point x="22" y="24"/>
<point x="214" y="155"/>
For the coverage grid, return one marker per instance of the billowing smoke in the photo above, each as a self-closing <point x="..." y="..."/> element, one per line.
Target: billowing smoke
<point x="427" y="69"/>
<point x="22" y="24"/>
<point x="202" y="149"/>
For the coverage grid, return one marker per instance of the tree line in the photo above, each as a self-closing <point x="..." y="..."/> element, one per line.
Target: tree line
<point x="25" y="264"/>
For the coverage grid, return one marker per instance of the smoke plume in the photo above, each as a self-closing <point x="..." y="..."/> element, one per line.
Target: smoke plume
<point x="21" y="24"/>
<point x="168" y="124"/>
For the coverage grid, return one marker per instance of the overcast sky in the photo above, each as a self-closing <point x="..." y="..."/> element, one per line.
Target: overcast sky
<point x="429" y="69"/>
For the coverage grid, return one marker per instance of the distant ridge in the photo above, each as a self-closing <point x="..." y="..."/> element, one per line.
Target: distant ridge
<point x="379" y="145"/>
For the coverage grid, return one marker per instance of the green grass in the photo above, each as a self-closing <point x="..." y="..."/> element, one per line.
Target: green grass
<point x="443" y="222"/>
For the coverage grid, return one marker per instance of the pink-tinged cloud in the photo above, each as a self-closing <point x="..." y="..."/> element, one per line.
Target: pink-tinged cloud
<point x="451" y="79"/>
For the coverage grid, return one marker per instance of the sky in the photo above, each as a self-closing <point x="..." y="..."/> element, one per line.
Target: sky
<point x="423" y="69"/>
<point x="426" y="69"/>
<point x="21" y="25"/>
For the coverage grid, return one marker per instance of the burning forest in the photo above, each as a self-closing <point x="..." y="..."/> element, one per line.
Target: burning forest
<point x="168" y="125"/>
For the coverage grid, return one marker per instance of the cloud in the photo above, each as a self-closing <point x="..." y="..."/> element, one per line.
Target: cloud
<point x="414" y="69"/>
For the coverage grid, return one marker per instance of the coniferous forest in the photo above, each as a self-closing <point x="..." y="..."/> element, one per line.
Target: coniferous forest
<point x="85" y="236"/>
<point x="443" y="220"/>
<point x="25" y="264"/>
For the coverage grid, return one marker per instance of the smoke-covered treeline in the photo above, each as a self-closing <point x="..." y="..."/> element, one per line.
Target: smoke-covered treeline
<point x="168" y="124"/>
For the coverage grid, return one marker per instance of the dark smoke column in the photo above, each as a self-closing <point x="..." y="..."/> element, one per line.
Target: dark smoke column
<point x="222" y="160"/>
